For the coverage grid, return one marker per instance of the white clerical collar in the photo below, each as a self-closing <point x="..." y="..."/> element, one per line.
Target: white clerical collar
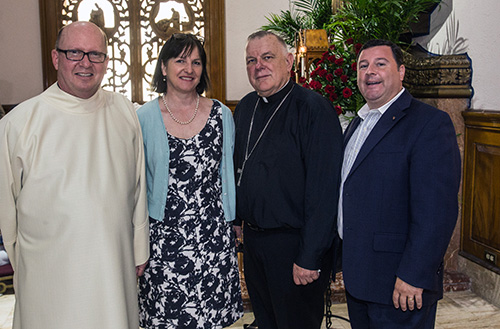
<point x="363" y="112"/>
<point x="264" y="98"/>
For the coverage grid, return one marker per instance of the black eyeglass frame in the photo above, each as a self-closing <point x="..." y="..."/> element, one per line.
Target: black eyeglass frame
<point x="95" y="53"/>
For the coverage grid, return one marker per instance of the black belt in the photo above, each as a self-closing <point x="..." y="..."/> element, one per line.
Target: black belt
<point x="256" y="228"/>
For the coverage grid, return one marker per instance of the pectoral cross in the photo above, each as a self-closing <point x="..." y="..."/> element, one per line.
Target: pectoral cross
<point x="240" y="172"/>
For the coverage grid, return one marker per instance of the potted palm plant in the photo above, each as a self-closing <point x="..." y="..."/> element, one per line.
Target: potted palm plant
<point x="358" y="19"/>
<point x="392" y="20"/>
<point x="308" y="15"/>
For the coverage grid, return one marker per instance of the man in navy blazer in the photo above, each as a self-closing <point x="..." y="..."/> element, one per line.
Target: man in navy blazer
<point x="399" y="198"/>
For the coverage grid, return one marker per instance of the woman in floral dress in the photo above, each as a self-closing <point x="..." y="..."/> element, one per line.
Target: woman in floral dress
<point x="192" y="279"/>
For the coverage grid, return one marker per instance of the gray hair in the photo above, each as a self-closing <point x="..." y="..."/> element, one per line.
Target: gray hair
<point x="261" y="34"/>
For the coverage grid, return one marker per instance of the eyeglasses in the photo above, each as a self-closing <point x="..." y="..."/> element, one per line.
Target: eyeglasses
<point x="77" y="55"/>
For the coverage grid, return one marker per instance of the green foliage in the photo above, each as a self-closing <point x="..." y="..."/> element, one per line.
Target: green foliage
<point x="310" y="14"/>
<point x="285" y="25"/>
<point x="316" y="13"/>
<point x="363" y="20"/>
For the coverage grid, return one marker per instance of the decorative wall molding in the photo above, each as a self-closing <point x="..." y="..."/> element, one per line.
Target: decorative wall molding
<point x="435" y="76"/>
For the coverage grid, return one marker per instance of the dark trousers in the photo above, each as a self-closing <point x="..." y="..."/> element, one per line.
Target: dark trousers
<point x="277" y="302"/>
<point x="367" y="315"/>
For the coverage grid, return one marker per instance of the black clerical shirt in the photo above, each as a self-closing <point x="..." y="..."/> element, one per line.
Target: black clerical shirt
<point x="291" y="175"/>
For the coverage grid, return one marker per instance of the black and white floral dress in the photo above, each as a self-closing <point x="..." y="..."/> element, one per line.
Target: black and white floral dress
<point x="192" y="279"/>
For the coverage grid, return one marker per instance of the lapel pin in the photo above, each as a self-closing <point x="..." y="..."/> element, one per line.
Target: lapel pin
<point x="393" y="118"/>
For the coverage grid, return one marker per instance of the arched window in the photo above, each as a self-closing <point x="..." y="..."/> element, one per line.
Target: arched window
<point x="136" y="30"/>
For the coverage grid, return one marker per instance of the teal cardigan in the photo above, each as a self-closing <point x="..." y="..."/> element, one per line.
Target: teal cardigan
<point x="157" y="156"/>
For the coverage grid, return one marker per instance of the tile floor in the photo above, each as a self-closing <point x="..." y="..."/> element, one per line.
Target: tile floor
<point x="458" y="310"/>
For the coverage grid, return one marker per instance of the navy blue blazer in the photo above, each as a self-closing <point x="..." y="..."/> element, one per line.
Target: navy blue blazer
<point x="400" y="202"/>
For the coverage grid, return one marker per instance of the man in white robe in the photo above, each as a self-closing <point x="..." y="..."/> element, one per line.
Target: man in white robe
<point x="72" y="195"/>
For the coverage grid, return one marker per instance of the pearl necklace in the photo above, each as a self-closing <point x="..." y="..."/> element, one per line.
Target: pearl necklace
<point x="177" y="120"/>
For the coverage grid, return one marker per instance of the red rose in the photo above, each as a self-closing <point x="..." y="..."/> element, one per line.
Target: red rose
<point x="332" y="47"/>
<point x="306" y="85"/>
<point x="322" y="73"/>
<point x="354" y="66"/>
<point x="302" y="80"/>
<point x="329" y="77"/>
<point x="324" y="54"/>
<point x="338" y="109"/>
<point x="343" y="78"/>
<point x="347" y="92"/>
<point x="339" y="61"/>
<point x="329" y="89"/>
<point x="349" y="41"/>
<point x="332" y="58"/>
<point x="338" y="72"/>
<point x="333" y="97"/>
<point x="315" y="85"/>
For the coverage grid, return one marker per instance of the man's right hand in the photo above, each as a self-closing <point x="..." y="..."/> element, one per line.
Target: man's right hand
<point x="302" y="276"/>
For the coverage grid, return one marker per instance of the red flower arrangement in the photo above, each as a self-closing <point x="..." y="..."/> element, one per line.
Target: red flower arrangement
<point x="334" y="77"/>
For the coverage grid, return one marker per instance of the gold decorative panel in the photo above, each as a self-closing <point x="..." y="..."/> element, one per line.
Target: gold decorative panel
<point x="445" y="76"/>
